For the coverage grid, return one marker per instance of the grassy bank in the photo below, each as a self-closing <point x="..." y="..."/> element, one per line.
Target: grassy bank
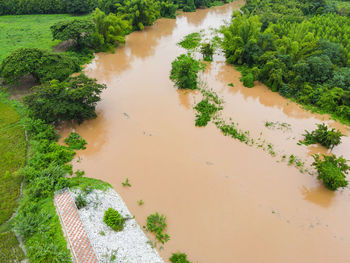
<point x="28" y="31"/>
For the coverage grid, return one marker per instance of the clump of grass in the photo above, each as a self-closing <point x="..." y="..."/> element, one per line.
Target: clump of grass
<point x="75" y="141"/>
<point x="231" y="130"/>
<point x="283" y="126"/>
<point x="80" y="201"/>
<point x="191" y="41"/>
<point x="179" y="258"/>
<point x="205" y="111"/>
<point x="114" y="219"/>
<point x="156" y="224"/>
<point x="126" y="183"/>
<point x="140" y="202"/>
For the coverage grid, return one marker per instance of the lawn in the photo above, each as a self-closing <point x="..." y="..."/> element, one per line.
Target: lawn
<point x="28" y="31"/>
<point x="12" y="157"/>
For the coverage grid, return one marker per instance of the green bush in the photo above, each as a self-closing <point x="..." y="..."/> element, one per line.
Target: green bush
<point x="114" y="219"/>
<point x="179" y="258"/>
<point x="191" y="41"/>
<point x="41" y="64"/>
<point x="248" y="80"/>
<point x="327" y="138"/>
<point x="73" y="99"/>
<point x="156" y="224"/>
<point x="207" y="51"/>
<point x="331" y="171"/>
<point x="184" y="72"/>
<point x="80" y="201"/>
<point x="205" y="111"/>
<point x="75" y="141"/>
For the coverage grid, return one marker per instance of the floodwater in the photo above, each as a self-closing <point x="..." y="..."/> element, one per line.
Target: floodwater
<point x="224" y="201"/>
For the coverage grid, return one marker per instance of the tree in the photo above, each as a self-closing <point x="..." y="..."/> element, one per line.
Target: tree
<point x="184" y="72"/>
<point x="141" y="13"/>
<point x="78" y="30"/>
<point x="78" y="7"/>
<point x="331" y="171"/>
<point x="73" y="99"/>
<point x="207" y="51"/>
<point x="41" y="64"/>
<point x="110" y="30"/>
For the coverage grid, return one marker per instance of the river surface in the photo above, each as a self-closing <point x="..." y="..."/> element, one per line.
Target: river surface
<point x="224" y="200"/>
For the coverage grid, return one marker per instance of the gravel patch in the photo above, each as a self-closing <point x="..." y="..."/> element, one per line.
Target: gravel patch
<point x="128" y="246"/>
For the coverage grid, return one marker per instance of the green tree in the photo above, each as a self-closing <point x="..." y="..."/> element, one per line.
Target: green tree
<point x="141" y="13"/>
<point x="78" y="30"/>
<point x="78" y="7"/>
<point x="74" y="99"/>
<point x="327" y="138"/>
<point x="184" y="72"/>
<point x="331" y="171"/>
<point x="207" y="51"/>
<point x="41" y="64"/>
<point x="110" y="30"/>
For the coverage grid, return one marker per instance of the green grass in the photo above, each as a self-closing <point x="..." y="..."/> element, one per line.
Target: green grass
<point x="28" y="31"/>
<point x="10" y="251"/>
<point x="12" y="157"/>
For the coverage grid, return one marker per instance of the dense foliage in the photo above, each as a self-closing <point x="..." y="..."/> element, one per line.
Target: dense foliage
<point x="179" y="258"/>
<point x="78" y="30"/>
<point x="331" y="171"/>
<point x="73" y="99"/>
<point x="110" y="30"/>
<point x="205" y="110"/>
<point x="156" y="224"/>
<point x="75" y="141"/>
<point x="114" y="219"/>
<point x="300" y="49"/>
<point x="41" y="64"/>
<point x="207" y="51"/>
<point x="327" y="138"/>
<point x="184" y="72"/>
<point x="191" y="41"/>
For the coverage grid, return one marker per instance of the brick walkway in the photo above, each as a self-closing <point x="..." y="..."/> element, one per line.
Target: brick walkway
<point x="75" y="233"/>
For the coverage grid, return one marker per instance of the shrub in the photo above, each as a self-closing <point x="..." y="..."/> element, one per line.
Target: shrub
<point x="80" y="201"/>
<point x="191" y="41"/>
<point x="331" y="171"/>
<point x="156" y="224"/>
<point x="75" y="141"/>
<point x="184" y="72"/>
<point x="114" y="219"/>
<point x="205" y="112"/>
<point x="248" y="80"/>
<point x="179" y="258"/>
<point x="327" y="138"/>
<point x="207" y="51"/>
<point x="41" y="64"/>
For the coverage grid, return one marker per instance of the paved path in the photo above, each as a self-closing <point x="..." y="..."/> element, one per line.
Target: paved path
<point x="78" y="240"/>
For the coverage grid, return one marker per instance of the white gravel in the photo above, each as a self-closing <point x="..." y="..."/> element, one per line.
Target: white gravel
<point x="129" y="246"/>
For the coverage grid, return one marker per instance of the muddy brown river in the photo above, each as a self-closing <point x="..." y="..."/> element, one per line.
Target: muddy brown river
<point x="225" y="201"/>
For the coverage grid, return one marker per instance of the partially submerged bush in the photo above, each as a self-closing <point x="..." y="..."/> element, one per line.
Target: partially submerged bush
<point x="205" y="112"/>
<point x="156" y="224"/>
<point x="331" y="171"/>
<point x="191" y="41"/>
<point x="114" y="219"/>
<point x="75" y="141"/>
<point x="207" y="51"/>
<point x="327" y="138"/>
<point x="179" y="258"/>
<point x="184" y="72"/>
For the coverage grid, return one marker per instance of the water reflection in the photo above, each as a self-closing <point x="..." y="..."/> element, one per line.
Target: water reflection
<point x="319" y="195"/>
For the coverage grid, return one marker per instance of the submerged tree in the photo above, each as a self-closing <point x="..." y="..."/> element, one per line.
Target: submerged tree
<point x="327" y="138"/>
<point x="184" y="72"/>
<point x="207" y="51"/>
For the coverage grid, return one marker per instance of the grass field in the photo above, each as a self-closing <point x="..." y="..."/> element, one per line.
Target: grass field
<point x="28" y="31"/>
<point x="10" y="251"/>
<point x="12" y="157"/>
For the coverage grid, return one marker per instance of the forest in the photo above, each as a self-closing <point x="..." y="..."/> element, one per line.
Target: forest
<point x="300" y="50"/>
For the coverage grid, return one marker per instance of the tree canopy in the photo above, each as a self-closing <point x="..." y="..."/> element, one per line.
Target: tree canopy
<point x="42" y="64"/>
<point x="73" y="99"/>
<point x="78" y="30"/>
